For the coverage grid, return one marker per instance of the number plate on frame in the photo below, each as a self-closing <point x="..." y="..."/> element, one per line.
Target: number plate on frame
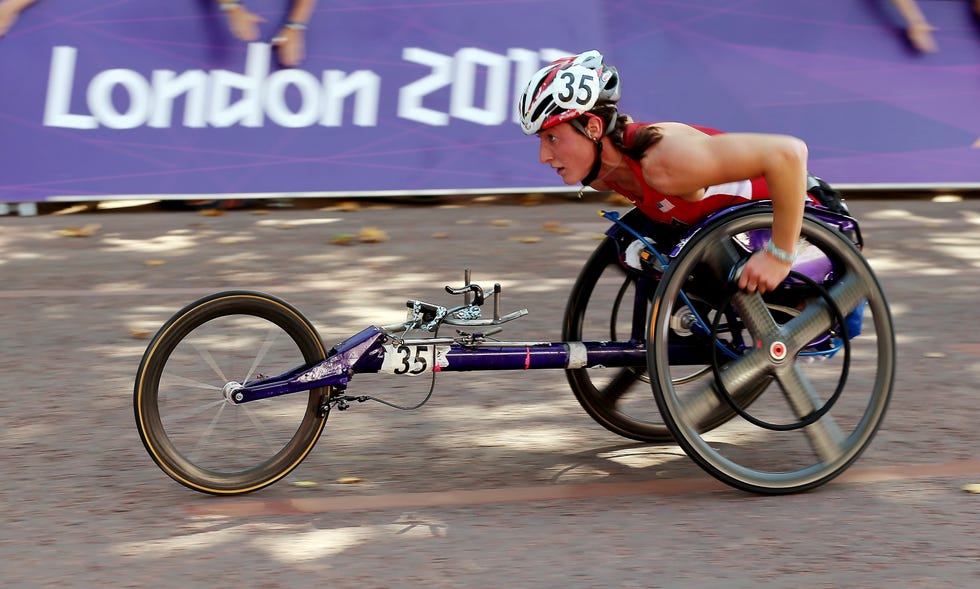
<point x="414" y="359"/>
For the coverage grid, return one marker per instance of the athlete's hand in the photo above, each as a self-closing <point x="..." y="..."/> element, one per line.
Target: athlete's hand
<point x="920" y="35"/>
<point x="290" y="45"/>
<point x="243" y="23"/>
<point x="8" y="16"/>
<point x="763" y="273"/>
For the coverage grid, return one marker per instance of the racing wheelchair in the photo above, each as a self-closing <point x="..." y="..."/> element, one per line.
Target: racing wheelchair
<point x="776" y="393"/>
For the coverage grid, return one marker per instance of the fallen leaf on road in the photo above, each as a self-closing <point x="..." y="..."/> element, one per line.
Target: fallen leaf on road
<point x="341" y="239"/>
<point x="972" y="488"/>
<point x="555" y="227"/>
<point x="347" y="206"/>
<point x="85" y="231"/>
<point x="372" y="235"/>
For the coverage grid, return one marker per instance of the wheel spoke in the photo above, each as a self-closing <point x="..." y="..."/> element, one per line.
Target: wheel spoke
<point x="613" y="392"/>
<point x="197" y="384"/>
<point x="824" y="435"/>
<point x="696" y="405"/>
<point x="744" y="379"/>
<point x="270" y="338"/>
<point x="174" y="418"/>
<point x="755" y="314"/>
<point x="744" y="373"/>
<point x="260" y="427"/>
<point x="195" y="453"/>
<point x="209" y="359"/>
<point x="817" y="318"/>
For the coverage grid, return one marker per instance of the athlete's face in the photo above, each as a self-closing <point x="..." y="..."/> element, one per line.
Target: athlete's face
<point x="568" y="151"/>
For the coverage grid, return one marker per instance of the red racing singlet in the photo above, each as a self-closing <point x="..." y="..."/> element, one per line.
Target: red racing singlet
<point x="676" y="211"/>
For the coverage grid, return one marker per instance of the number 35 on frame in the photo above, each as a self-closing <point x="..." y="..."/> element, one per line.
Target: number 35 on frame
<point x="413" y="359"/>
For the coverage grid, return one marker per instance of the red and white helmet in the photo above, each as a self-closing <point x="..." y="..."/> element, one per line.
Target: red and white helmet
<point x="566" y="89"/>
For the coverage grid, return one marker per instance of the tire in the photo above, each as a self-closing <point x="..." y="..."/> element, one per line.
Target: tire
<point x="604" y="304"/>
<point x="601" y="307"/>
<point x="794" y="433"/>
<point x="197" y="436"/>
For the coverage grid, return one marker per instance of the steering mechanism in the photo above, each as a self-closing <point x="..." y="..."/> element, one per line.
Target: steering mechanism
<point x="428" y="317"/>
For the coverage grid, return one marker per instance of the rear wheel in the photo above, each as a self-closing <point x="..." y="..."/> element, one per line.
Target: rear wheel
<point x="810" y="379"/>
<point x="610" y="303"/>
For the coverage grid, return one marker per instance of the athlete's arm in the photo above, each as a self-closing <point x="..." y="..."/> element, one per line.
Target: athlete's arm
<point x="684" y="162"/>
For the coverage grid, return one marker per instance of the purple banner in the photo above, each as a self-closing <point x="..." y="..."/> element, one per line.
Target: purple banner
<point x="115" y="98"/>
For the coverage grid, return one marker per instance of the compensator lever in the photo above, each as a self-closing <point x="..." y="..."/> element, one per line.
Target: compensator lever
<point x="467" y="289"/>
<point x="478" y="296"/>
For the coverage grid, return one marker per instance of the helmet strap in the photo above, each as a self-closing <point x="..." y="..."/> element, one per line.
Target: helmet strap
<point x="597" y="162"/>
<point x="594" y="172"/>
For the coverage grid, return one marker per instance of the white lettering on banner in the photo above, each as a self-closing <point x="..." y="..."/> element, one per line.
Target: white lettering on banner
<point x="309" y="91"/>
<point x="367" y="87"/>
<point x="496" y="96"/>
<point x="61" y="78"/>
<point x="479" y="82"/>
<point x="410" y="96"/>
<point x="247" y="110"/>
<point x="191" y="84"/>
<point x="100" y="98"/>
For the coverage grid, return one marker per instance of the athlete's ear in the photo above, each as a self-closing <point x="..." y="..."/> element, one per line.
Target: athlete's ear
<point x="594" y="127"/>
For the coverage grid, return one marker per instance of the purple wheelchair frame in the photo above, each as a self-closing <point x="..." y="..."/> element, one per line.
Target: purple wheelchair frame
<point x="380" y="349"/>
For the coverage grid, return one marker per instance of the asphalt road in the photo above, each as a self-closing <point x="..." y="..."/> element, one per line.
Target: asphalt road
<point x="501" y="480"/>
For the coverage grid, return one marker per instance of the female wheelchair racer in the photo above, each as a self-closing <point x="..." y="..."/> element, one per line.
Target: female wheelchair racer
<point x="745" y="307"/>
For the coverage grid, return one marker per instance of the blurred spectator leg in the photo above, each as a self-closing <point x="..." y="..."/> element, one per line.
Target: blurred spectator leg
<point x="27" y="209"/>
<point x="917" y="28"/>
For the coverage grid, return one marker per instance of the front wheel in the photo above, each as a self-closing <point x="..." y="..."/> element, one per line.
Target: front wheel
<point x="187" y="423"/>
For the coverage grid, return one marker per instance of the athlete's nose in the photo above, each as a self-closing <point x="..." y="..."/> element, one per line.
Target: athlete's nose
<point x="544" y="153"/>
